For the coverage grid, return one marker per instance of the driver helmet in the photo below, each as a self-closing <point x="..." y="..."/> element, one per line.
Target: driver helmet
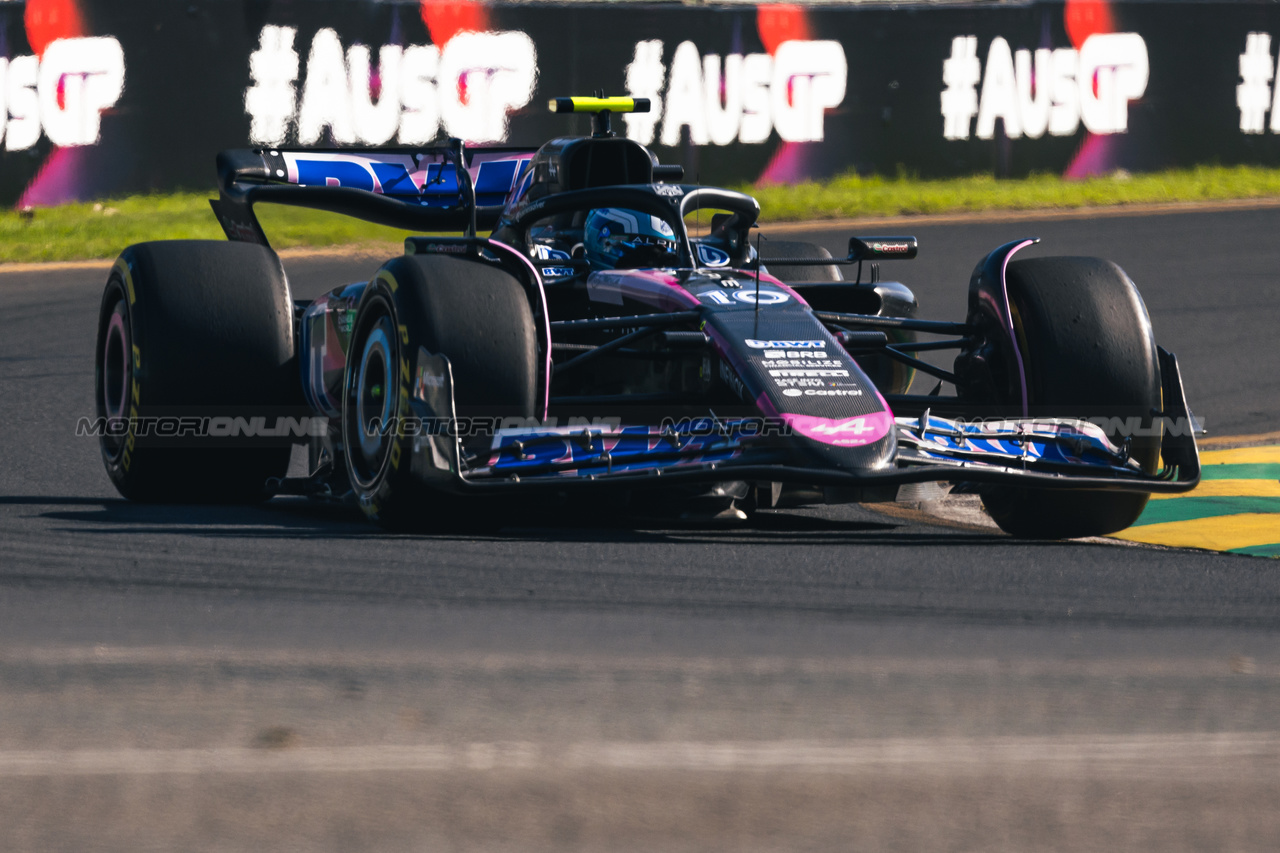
<point x="615" y="237"/>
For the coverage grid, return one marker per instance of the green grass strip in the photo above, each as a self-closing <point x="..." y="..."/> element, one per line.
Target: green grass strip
<point x="1242" y="471"/>
<point x="853" y="195"/>
<point x="1192" y="507"/>
<point x="1259" y="550"/>
<point x="101" y="230"/>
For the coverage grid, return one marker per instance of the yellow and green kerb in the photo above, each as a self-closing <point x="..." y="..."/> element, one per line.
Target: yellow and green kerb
<point x="1235" y="508"/>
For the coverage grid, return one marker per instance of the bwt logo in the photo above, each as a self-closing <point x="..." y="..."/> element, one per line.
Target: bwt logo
<point x="1052" y="90"/>
<point x="737" y="97"/>
<point x="401" y="174"/>
<point x="470" y="86"/>
<point x="62" y="93"/>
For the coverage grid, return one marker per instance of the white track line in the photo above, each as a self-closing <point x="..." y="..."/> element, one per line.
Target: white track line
<point x="1094" y="755"/>
<point x="585" y="666"/>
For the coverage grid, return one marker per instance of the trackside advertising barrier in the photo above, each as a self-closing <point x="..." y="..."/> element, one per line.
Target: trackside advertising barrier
<point x="105" y="98"/>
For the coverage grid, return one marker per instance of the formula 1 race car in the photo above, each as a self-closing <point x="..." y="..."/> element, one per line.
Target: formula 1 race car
<point x="619" y="333"/>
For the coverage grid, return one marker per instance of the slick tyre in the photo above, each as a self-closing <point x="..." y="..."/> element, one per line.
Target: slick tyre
<point x="794" y="250"/>
<point x="1089" y="352"/>
<point x="479" y="318"/>
<point x="202" y="331"/>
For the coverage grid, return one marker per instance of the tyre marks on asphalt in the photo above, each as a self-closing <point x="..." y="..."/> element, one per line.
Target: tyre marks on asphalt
<point x="1235" y="508"/>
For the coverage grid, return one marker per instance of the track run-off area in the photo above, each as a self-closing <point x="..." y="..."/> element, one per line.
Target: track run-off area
<point x="287" y="676"/>
<point x="1236" y="507"/>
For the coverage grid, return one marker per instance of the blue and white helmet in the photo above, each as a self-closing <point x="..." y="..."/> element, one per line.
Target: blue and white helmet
<point x="616" y="236"/>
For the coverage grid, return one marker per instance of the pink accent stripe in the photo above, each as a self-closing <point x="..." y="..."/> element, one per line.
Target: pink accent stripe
<point x="768" y="279"/>
<point x="546" y="324"/>
<point x="658" y="289"/>
<point x="765" y="405"/>
<point x="1008" y="319"/>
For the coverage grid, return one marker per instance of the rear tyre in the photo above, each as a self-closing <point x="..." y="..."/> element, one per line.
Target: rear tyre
<point x="794" y="250"/>
<point x="1090" y="353"/>
<point x="194" y="328"/>
<point x="475" y="315"/>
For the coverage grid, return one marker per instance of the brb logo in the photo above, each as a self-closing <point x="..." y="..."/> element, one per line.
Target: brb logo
<point x="470" y="86"/>
<point x="61" y="93"/>
<point x="736" y="97"/>
<point x="1054" y="90"/>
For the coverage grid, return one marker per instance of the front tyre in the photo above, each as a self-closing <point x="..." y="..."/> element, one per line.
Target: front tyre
<point x="479" y="318"/>
<point x="1089" y="353"/>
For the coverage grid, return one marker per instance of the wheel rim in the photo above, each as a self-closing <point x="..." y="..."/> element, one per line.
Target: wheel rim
<point x="371" y="403"/>
<point x="113" y="391"/>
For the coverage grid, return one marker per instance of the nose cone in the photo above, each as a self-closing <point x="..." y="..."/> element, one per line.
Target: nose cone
<point x="862" y="442"/>
<point x="794" y="370"/>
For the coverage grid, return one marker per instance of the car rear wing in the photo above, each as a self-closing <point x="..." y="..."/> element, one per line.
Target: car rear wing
<point x="417" y="189"/>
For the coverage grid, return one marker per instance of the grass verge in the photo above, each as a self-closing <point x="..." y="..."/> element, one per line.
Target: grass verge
<point x="853" y="195"/>
<point x="100" y="230"/>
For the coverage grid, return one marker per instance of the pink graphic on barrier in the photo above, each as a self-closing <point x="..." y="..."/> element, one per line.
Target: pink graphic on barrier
<point x="62" y="178"/>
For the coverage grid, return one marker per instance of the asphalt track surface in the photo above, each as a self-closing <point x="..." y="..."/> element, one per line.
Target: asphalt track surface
<point x="287" y="677"/>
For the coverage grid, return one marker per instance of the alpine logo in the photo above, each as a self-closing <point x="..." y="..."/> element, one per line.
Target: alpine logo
<point x="856" y="426"/>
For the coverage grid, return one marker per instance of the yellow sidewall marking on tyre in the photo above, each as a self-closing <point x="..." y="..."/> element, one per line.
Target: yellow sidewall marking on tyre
<point x="123" y="268"/>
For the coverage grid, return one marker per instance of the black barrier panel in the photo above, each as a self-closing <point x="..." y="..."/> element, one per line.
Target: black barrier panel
<point x="140" y="96"/>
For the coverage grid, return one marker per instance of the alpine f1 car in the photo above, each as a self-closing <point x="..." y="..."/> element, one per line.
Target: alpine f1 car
<point x="618" y="331"/>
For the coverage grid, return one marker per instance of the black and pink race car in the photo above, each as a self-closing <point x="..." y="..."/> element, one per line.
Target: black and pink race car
<point x="618" y="331"/>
